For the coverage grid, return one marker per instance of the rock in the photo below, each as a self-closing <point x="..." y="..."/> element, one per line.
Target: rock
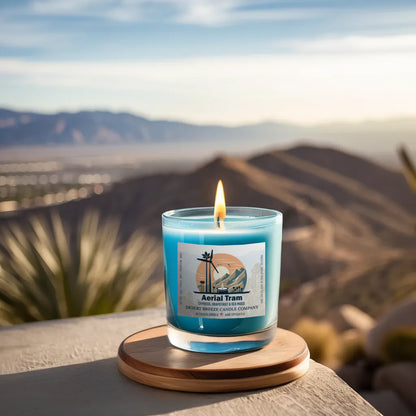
<point x="404" y="314"/>
<point x="400" y="377"/>
<point x="347" y="317"/>
<point x="357" y="376"/>
<point x="388" y="403"/>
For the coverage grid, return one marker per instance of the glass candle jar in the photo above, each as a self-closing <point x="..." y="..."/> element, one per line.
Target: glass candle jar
<point x="222" y="284"/>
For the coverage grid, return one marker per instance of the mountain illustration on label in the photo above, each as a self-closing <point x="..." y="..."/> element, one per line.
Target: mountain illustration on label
<point x="220" y="273"/>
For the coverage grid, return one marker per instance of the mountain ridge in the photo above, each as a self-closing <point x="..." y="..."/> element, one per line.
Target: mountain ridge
<point x="19" y="128"/>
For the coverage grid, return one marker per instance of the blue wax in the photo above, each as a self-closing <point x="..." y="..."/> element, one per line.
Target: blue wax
<point x="238" y="229"/>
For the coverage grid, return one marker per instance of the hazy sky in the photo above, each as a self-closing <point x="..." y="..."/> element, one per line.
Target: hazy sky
<point x="223" y="61"/>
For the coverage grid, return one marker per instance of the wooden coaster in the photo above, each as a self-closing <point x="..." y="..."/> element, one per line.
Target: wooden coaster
<point x="149" y="358"/>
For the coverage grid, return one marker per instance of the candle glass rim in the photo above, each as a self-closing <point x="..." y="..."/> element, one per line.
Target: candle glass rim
<point x="250" y="216"/>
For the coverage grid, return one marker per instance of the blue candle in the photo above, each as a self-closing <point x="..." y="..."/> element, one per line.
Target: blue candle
<point x="222" y="283"/>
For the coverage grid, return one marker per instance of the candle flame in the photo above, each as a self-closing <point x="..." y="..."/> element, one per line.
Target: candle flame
<point x="219" y="210"/>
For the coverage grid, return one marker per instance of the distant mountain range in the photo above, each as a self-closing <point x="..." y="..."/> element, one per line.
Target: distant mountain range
<point x="103" y="127"/>
<point x="349" y="223"/>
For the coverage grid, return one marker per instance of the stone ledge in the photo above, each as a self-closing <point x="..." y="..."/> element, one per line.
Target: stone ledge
<point x="68" y="367"/>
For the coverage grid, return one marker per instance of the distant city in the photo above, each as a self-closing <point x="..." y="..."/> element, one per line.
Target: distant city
<point x="49" y="159"/>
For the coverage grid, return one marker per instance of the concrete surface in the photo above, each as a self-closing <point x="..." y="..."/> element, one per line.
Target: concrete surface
<point x="68" y="367"/>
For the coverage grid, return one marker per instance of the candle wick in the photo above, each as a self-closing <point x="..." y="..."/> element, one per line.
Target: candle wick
<point x="220" y="222"/>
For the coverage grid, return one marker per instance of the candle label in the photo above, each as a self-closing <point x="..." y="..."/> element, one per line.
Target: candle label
<point x="221" y="282"/>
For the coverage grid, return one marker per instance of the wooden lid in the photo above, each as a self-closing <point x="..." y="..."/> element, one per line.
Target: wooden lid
<point x="149" y="358"/>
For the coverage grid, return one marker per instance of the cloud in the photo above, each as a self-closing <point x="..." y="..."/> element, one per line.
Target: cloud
<point x="16" y="34"/>
<point x="228" y="12"/>
<point x="355" y="44"/>
<point x="215" y="12"/>
<point x="224" y="12"/>
<point x="297" y="87"/>
<point x="69" y="7"/>
<point x="404" y="15"/>
<point x="124" y="10"/>
<point x="195" y="12"/>
<point x="24" y="25"/>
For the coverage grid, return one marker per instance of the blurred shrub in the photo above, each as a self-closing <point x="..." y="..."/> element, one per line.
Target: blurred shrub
<point x="409" y="168"/>
<point x="322" y="339"/>
<point x="351" y="347"/>
<point x="45" y="275"/>
<point x="399" y="344"/>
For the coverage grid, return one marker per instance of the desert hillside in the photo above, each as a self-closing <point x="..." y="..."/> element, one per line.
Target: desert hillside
<point x="349" y="224"/>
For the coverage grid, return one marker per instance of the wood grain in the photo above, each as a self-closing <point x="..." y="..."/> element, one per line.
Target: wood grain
<point x="149" y="358"/>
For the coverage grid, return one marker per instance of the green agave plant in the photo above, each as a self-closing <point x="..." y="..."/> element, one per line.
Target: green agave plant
<point x="46" y="275"/>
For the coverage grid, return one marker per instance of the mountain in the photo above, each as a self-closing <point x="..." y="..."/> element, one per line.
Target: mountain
<point x="349" y="223"/>
<point x="377" y="139"/>
<point x="103" y="127"/>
